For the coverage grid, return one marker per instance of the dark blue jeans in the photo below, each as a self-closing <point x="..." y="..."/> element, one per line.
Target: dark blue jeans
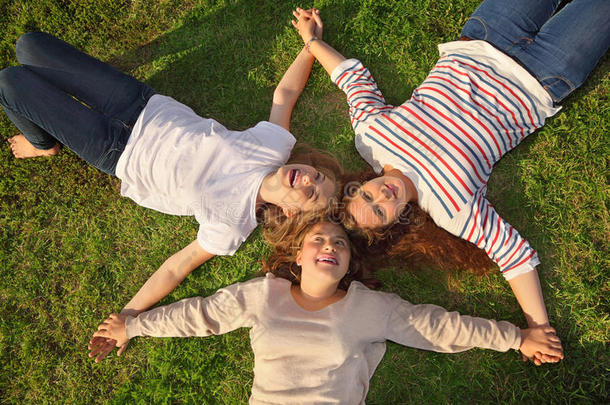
<point x="60" y="94"/>
<point x="560" y="49"/>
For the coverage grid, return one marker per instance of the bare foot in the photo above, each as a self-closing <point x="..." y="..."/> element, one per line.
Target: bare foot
<point x="22" y="148"/>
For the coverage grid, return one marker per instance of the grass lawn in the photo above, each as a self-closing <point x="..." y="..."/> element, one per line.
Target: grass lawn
<point x="73" y="250"/>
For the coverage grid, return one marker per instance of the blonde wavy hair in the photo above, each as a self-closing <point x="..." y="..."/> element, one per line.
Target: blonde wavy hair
<point x="288" y="240"/>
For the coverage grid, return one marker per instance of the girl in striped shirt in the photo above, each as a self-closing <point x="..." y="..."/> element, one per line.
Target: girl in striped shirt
<point x="435" y="152"/>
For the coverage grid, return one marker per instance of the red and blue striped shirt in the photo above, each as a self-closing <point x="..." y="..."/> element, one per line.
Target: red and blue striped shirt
<point x="475" y="105"/>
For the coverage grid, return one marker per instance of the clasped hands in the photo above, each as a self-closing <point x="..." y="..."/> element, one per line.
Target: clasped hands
<point x="540" y="345"/>
<point x="110" y="334"/>
<point x="308" y="23"/>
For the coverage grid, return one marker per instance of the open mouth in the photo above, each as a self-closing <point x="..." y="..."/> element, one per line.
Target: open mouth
<point x="327" y="259"/>
<point x="392" y="189"/>
<point x="295" y="174"/>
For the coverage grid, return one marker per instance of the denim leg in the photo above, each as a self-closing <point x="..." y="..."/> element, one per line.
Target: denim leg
<point x="508" y="24"/>
<point x="100" y="86"/>
<point x="37" y="136"/>
<point x="568" y="46"/>
<point x="97" y="139"/>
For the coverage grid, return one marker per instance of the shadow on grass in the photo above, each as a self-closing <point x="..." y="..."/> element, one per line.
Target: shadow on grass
<point x="214" y="70"/>
<point x="226" y="72"/>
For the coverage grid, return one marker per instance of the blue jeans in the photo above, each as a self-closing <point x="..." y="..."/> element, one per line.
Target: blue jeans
<point x="60" y="94"/>
<point x="560" y="49"/>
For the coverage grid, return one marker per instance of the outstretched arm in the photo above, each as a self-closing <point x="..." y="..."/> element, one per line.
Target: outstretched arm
<point x="171" y="273"/>
<point x="431" y="327"/>
<point x="528" y="292"/>
<point x="289" y="89"/>
<point x="363" y="96"/>
<point x="163" y="281"/>
<point x="226" y="310"/>
<point x="513" y="254"/>
<point x="291" y="85"/>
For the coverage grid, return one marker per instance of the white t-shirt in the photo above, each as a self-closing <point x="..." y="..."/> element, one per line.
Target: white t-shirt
<point x="179" y="163"/>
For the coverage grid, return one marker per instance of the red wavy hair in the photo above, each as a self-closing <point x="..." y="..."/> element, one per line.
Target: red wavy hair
<point x="414" y="239"/>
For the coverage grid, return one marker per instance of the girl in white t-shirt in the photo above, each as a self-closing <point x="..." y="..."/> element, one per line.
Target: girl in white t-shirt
<point x="167" y="157"/>
<point x="316" y="332"/>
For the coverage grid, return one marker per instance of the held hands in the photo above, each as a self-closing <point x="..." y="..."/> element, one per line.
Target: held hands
<point x="110" y="334"/>
<point x="308" y="23"/>
<point x="541" y="345"/>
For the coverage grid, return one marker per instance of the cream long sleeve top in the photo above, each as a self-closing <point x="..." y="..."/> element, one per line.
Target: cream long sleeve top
<point x="326" y="356"/>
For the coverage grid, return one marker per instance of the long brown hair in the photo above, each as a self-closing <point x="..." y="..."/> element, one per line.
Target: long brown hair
<point x="414" y="239"/>
<point x="288" y="240"/>
<point x="323" y="161"/>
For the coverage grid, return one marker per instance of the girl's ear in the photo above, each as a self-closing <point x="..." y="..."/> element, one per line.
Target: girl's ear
<point x="289" y="211"/>
<point x="297" y="260"/>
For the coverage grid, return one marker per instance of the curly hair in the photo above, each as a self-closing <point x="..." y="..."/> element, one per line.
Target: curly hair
<point x="288" y="241"/>
<point x="413" y="238"/>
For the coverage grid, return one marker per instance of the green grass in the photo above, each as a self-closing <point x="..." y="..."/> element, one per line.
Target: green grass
<point x="72" y="250"/>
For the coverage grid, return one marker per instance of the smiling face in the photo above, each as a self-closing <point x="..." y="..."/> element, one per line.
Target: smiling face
<point x="378" y="202"/>
<point x="325" y="255"/>
<point x="298" y="188"/>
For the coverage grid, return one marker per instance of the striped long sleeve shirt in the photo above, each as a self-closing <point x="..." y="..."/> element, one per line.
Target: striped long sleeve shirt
<point x="475" y="105"/>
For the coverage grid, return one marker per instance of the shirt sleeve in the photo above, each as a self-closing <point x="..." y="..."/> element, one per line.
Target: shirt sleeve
<point x="430" y="327"/>
<point x="219" y="238"/>
<point x="363" y="96"/>
<point x="228" y="309"/>
<point x="502" y="243"/>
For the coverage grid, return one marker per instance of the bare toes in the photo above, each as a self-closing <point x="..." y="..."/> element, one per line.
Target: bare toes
<point x="22" y="148"/>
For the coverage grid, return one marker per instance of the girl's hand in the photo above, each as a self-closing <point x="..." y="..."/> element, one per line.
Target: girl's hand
<point x="101" y="347"/>
<point x="319" y="25"/>
<point x="113" y="328"/>
<point x="309" y="24"/>
<point x="541" y="344"/>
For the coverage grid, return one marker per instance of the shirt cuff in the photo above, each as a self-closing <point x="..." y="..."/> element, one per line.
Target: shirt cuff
<point x="517" y="343"/>
<point x="131" y="327"/>
<point x="522" y="269"/>
<point x="343" y="67"/>
<point x="216" y="251"/>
